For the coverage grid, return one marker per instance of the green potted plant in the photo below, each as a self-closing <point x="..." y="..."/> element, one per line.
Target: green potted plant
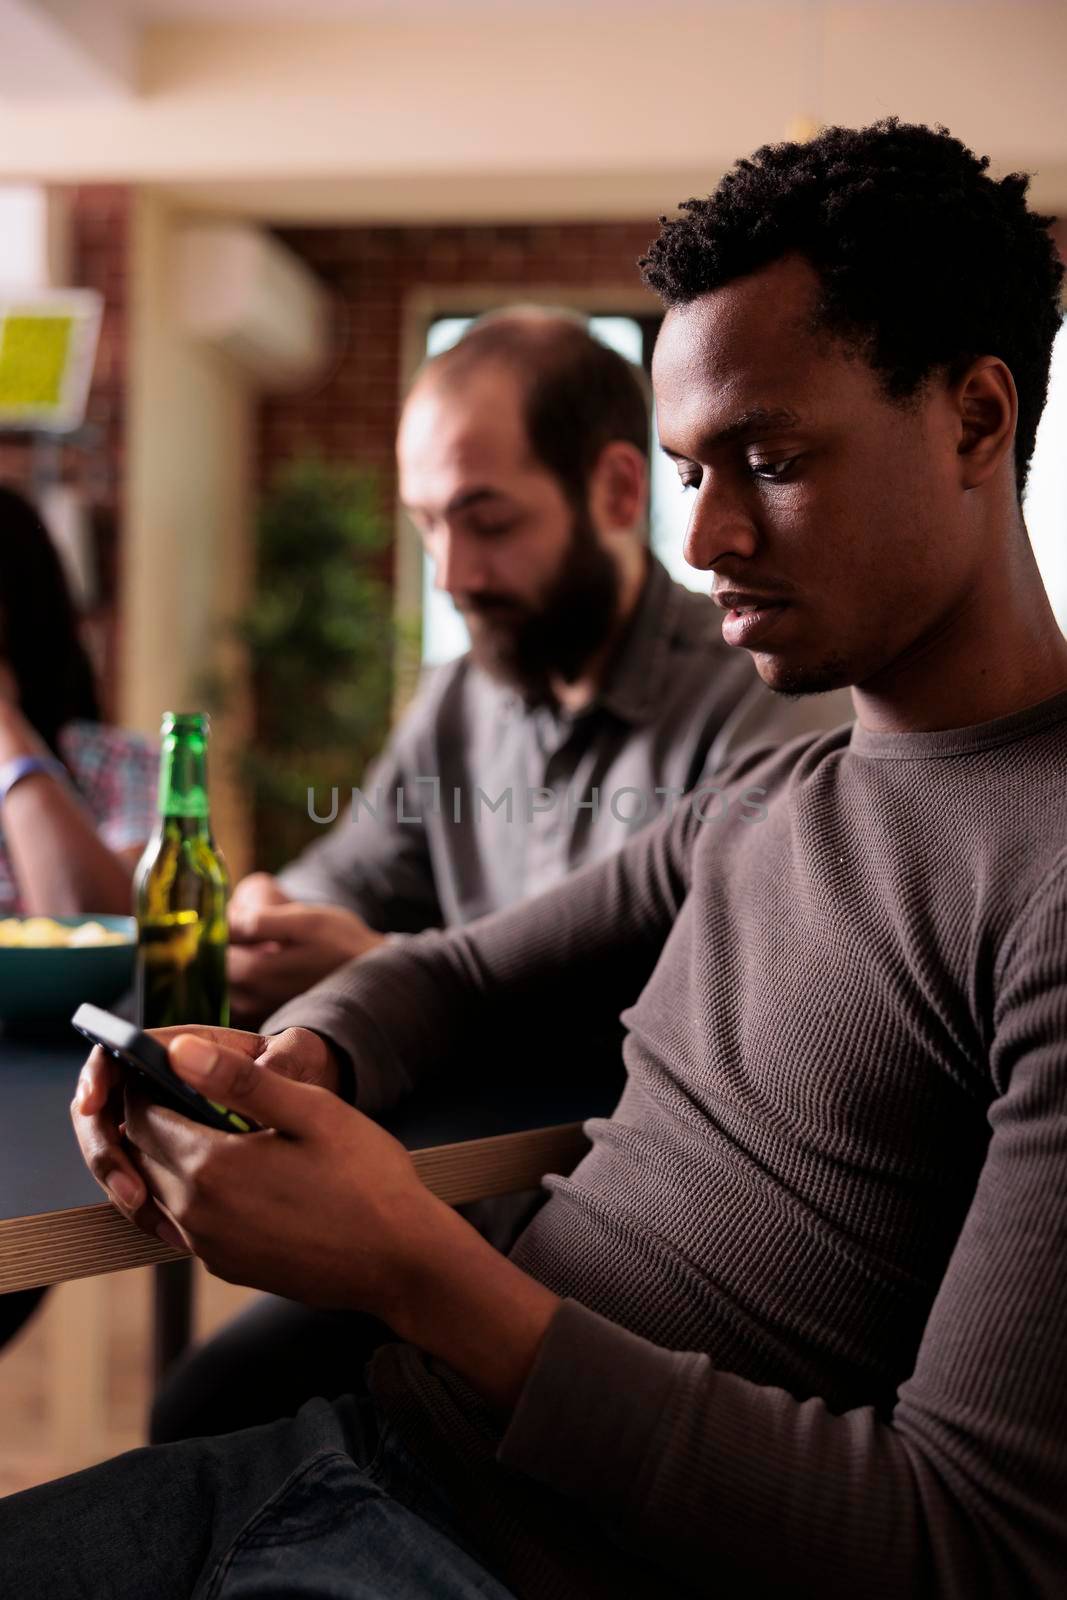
<point x="319" y="637"/>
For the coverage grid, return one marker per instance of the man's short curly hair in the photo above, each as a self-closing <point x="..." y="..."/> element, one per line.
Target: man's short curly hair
<point x="925" y="262"/>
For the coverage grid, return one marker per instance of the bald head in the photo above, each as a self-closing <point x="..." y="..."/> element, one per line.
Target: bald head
<point x="576" y="396"/>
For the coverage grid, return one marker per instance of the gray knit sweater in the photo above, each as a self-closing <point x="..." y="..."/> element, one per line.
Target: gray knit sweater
<point x="814" y="1267"/>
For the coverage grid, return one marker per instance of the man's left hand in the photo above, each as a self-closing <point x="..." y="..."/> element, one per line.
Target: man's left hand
<point x="281" y="950"/>
<point x="322" y="1206"/>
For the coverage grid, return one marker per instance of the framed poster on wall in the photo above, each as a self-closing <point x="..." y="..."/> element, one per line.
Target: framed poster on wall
<point x="48" y="341"/>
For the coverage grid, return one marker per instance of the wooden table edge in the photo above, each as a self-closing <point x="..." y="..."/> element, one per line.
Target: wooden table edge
<point x="56" y="1246"/>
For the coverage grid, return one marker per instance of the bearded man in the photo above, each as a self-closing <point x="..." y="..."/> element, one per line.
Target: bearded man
<point x="596" y="691"/>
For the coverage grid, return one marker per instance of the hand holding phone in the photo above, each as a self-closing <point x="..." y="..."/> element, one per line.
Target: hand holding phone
<point x="146" y="1057"/>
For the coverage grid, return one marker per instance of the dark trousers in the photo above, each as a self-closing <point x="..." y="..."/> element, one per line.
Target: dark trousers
<point x="321" y="1505"/>
<point x="264" y="1364"/>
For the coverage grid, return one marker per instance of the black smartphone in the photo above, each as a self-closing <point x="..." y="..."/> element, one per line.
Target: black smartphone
<point x="148" y="1057"/>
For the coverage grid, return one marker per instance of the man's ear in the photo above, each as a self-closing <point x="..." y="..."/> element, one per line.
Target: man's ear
<point x="618" y="488"/>
<point x="988" y="409"/>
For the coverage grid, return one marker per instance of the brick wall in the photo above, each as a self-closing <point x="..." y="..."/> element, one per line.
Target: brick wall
<point x="100" y="216"/>
<point x="352" y="415"/>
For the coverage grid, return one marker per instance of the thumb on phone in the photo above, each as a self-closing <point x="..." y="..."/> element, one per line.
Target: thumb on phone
<point x="242" y="1084"/>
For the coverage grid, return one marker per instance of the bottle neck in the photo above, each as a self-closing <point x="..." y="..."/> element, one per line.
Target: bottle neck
<point x="182" y="793"/>
<point x="185" y="827"/>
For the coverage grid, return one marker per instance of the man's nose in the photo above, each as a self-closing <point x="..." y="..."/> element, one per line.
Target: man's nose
<point x="719" y="526"/>
<point x="457" y="566"/>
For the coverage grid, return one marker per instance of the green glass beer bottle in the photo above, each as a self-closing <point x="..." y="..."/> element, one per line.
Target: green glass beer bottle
<point x="181" y="889"/>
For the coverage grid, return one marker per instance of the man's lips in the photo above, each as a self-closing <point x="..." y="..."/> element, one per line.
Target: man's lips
<point x="748" y="617"/>
<point x="734" y="598"/>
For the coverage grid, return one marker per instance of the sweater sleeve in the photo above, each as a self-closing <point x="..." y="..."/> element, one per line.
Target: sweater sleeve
<point x="961" y="1493"/>
<point x="375" y="858"/>
<point x="581" y="951"/>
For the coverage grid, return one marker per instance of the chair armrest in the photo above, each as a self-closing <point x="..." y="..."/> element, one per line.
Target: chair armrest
<point x="474" y="1169"/>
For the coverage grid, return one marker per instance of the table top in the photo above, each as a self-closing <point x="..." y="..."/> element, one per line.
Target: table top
<point x="473" y="1135"/>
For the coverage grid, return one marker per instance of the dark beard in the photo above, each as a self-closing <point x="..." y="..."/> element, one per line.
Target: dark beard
<point x="525" y="648"/>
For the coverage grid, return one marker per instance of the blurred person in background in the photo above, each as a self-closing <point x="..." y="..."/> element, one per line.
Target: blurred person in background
<point x="595" y="687"/>
<point x="77" y="797"/>
<point x="523" y="461"/>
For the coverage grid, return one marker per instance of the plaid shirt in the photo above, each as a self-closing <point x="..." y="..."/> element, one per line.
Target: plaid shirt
<point x="115" y="773"/>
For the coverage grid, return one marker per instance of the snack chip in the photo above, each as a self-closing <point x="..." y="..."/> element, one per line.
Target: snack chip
<point x="45" y="933"/>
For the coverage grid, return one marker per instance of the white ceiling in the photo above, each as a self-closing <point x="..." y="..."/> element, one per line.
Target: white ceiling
<point x="597" y="112"/>
<point x="347" y="10"/>
<point x="308" y="10"/>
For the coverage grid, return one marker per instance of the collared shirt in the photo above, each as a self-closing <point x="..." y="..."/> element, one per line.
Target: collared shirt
<point x="480" y="800"/>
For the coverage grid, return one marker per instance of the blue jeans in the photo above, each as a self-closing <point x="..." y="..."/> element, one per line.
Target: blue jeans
<point x="321" y="1505"/>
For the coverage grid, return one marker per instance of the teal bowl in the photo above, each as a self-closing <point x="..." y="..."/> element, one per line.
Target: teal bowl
<point x="41" y="987"/>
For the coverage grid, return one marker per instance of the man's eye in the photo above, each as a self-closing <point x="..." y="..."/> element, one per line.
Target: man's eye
<point x="772" y="471"/>
<point x="491" y="530"/>
<point x="491" y="527"/>
<point x="689" y="481"/>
